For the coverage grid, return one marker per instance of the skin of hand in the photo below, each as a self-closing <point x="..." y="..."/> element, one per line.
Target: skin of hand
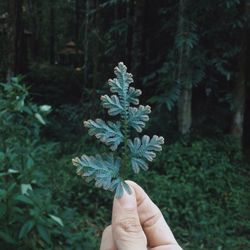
<point x="137" y="224"/>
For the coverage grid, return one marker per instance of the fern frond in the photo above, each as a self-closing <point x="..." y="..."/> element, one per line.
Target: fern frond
<point x="144" y="149"/>
<point x="123" y="77"/>
<point x="133" y="94"/>
<point x="120" y="84"/>
<point x="138" y="117"/>
<point x="108" y="133"/>
<point x="113" y="104"/>
<point x="115" y="86"/>
<point x="103" y="169"/>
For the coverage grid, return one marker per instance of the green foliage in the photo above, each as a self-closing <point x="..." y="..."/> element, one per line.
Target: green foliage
<point x="20" y="123"/>
<point x="29" y="216"/>
<point x="106" y="170"/>
<point x="202" y="193"/>
<point x="209" y="56"/>
<point x="26" y="207"/>
<point x="200" y="186"/>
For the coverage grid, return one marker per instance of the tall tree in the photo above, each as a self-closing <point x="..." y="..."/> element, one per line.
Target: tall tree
<point x="183" y="75"/>
<point x="52" y="32"/>
<point x="138" y="32"/>
<point x="129" y="31"/>
<point x="86" y="41"/>
<point x="35" y="12"/>
<point x="239" y="90"/>
<point x="96" y="45"/>
<point x="15" y="38"/>
<point x="77" y="20"/>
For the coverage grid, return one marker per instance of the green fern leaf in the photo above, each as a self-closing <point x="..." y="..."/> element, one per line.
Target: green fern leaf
<point x="121" y="84"/>
<point x="103" y="169"/>
<point x="144" y="149"/>
<point x="138" y="117"/>
<point x="108" y="133"/>
<point x="112" y="104"/>
<point x="133" y="94"/>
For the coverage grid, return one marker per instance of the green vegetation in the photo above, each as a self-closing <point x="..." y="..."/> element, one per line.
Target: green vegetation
<point x="200" y="186"/>
<point x="28" y="214"/>
<point x="191" y="60"/>
<point x="203" y="193"/>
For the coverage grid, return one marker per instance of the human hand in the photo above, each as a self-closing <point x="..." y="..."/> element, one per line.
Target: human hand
<point x="137" y="224"/>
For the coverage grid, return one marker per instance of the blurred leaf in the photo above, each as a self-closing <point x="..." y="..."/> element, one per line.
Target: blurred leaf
<point x="25" y="188"/>
<point x="56" y="219"/>
<point x="27" y="226"/>
<point x="12" y="171"/>
<point x="24" y="199"/>
<point x="30" y="162"/>
<point x="43" y="233"/>
<point x="40" y="118"/>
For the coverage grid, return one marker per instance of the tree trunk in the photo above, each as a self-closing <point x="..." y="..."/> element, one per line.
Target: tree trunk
<point x="144" y="38"/>
<point x="239" y="92"/>
<point x="86" y="42"/>
<point x="36" y="17"/>
<point x="11" y="39"/>
<point x="185" y="98"/>
<point x="15" y="39"/>
<point x="96" y="45"/>
<point x="129" y="32"/>
<point x="138" y="33"/>
<point x="77" y="20"/>
<point x="185" y="110"/>
<point x="52" y="33"/>
<point x="116" y="6"/>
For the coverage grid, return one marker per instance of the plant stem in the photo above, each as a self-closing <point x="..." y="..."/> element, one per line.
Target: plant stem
<point x="125" y="130"/>
<point x="125" y="160"/>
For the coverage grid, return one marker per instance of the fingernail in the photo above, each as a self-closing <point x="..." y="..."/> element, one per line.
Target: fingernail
<point x="127" y="201"/>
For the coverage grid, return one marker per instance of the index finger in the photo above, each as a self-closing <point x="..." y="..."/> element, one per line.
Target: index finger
<point x="153" y="223"/>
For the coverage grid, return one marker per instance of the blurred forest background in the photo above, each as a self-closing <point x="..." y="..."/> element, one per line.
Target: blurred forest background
<point x="190" y="58"/>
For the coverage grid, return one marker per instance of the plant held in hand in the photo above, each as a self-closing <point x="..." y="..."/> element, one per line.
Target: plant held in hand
<point x="109" y="171"/>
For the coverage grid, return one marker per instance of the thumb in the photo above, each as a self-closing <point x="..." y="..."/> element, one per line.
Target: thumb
<point x="126" y="228"/>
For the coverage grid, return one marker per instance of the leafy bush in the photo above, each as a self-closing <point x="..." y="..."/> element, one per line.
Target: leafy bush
<point x="25" y="208"/>
<point x="29" y="216"/>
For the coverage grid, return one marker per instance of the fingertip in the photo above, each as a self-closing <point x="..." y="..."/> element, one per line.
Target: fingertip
<point x="151" y="218"/>
<point x="140" y="194"/>
<point x="132" y="183"/>
<point x="126" y="227"/>
<point x="127" y="201"/>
